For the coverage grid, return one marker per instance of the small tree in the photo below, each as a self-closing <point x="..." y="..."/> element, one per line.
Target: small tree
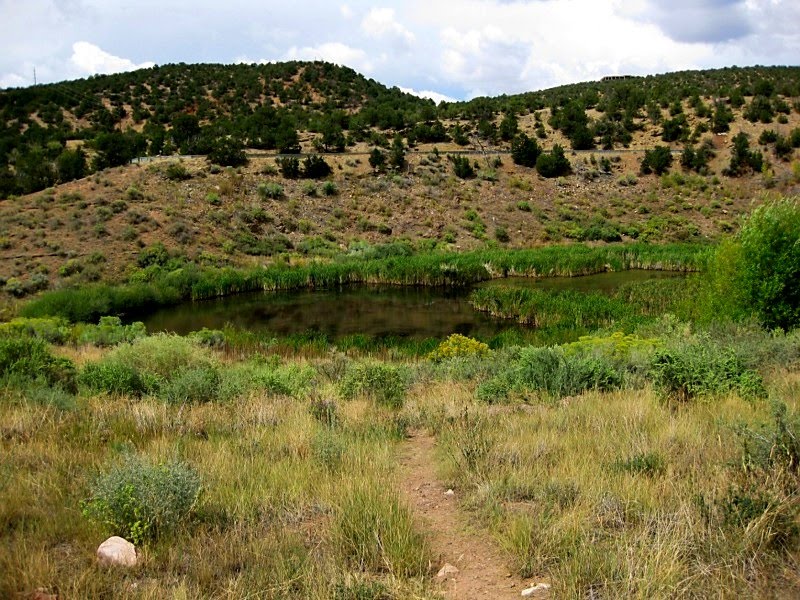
<point x="553" y="163"/>
<point x="315" y="167"/>
<point x="397" y="158"/>
<point x="658" y="160"/>
<point x="228" y="152"/>
<point x="461" y="166"/>
<point x="742" y="158"/>
<point x="289" y="166"/>
<point x="377" y="159"/>
<point x="525" y="151"/>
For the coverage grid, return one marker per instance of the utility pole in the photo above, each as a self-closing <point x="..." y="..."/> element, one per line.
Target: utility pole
<point x="34" y="75"/>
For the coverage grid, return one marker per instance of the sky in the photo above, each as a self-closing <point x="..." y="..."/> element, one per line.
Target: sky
<point x="443" y="49"/>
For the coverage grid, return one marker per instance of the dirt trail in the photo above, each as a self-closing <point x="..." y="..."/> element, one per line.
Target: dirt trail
<point x="482" y="570"/>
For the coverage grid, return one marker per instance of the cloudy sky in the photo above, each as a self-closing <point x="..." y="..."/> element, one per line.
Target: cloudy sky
<point x="441" y="48"/>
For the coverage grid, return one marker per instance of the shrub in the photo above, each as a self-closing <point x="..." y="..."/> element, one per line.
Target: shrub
<point x="457" y="345"/>
<point x="701" y="368"/>
<point x="315" y="167"/>
<point x="141" y="501"/>
<point x="501" y="234"/>
<point x="329" y="188"/>
<point x="768" y="270"/>
<point x="113" y="377"/>
<point x="191" y="384"/>
<point x="649" y="464"/>
<point x="109" y="332"/>
<point x="228" y="152"/>
<point x="658" y="160"/>
<point x="553" y="163"/>
<point x="384" y="383"/>
<point x="461" y="166"/>
<point x="176" y="171"/>
<point x="55" y="330"/>
<point x="25" y="359"/>
<point x="554" y="372"/>
<point x="270" y="190"/>
<point x="161" y="356"/>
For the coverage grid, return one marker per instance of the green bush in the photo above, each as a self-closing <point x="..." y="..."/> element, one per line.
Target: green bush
<point x="768" y="269"/>
<point x="109" y="332"/>
<point x="270" y="190"/>
<point x="161" y="356"/>
<point x="55" y="330"/>
<point x="191" y="384"/>
<point x="141" y="501"/>
<point x="28" y="359"/>
<point x="384" y="383"/>
<point x="113" y="377"/>
<point x="553" y="372"/>
<point x="702" y="368"/>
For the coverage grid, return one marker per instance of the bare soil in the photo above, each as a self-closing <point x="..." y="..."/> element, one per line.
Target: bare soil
<point x="483" y="571"/>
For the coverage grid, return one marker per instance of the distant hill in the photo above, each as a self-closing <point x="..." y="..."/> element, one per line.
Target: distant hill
<point x="299" y="160"/>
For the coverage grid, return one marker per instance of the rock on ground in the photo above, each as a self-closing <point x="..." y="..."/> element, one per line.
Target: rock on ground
<point x="117" y="551"/>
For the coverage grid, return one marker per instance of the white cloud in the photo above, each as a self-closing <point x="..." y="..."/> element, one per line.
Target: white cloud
<point x="335" y="52"/>
<point x="460" y="48"/>
<point x="435" y="96"/>
<point x="92" y="60"/>
<point x="381" y="23"/>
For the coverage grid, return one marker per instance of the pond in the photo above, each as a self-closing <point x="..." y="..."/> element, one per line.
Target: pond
<point x="379" y="311"/>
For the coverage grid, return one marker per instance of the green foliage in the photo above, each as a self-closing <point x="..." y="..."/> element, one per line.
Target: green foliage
<point x="461" y="166"/>
<point x="377" y="159"/>
<point x="113" y="377"/>
<point x="227" y="152"/>
<point x="384" y="383"/>
<point x="108" y="332"/>
<point x="553" y="372"/>
<point x="26" y="359"/>
<point x="649" y="464"/>
<point x="176" y="171"/>
<point x="315" y="167"/>
<point x="191" y="384"/>
<point x="329" y="188"/>
<point x="658" y="160"/>
<point x="142" y="501"/>
<point x="525" y="151"/>
<point x="289" y="166"/>
<point x="688" y="370"/>
<point x="270" y="190"/>
<point x="756" y="273"/>
<point x="457" y="346"/>
<point x="742" y="158"/>
<point x="553" y="163"/>
<point x="768" y="268"/>
<point x="55" y="330"/>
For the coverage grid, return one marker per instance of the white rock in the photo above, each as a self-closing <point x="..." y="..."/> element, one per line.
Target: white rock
<point x="117" y="551"/>
<point x="446" y="570"/>
<point x="539" y="587"/>
<point x="449" y="493"/>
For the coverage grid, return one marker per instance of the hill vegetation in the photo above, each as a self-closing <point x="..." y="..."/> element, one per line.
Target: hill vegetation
<point x="324" y="162"/>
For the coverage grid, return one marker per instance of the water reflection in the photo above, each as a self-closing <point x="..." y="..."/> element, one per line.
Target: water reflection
<point x="371" y="310"/>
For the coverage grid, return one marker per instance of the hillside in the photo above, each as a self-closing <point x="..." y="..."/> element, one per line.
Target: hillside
<point x="401" y="168"/>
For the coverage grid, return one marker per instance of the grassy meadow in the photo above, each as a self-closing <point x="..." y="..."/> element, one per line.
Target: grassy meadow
<point x="652" y="454"/>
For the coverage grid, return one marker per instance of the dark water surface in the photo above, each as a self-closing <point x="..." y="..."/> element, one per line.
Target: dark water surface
<point x="379" y="311"/>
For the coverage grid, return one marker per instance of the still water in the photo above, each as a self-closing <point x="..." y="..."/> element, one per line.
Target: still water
<point x="378" y="311"/>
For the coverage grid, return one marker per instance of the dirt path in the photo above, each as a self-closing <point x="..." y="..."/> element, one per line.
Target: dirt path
<point x="482" y="570"/>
